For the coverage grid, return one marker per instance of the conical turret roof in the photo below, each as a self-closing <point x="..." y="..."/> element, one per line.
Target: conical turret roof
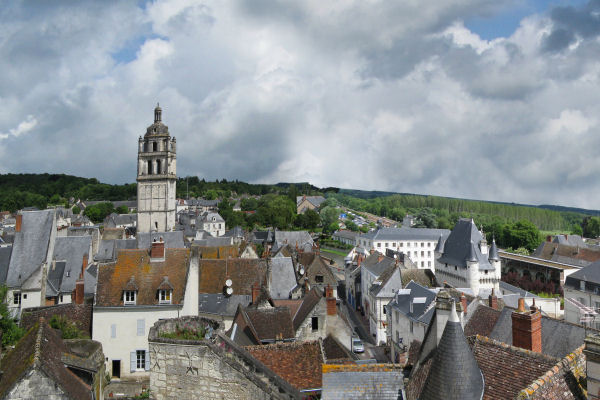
<point x="472" y="256"/>
<point x="493" y="256"/>
<point x="439" y="248"/>
<point x="454" y="373"/>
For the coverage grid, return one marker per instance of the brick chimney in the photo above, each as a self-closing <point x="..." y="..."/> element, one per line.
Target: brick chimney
<point x="380" y="258"/>
<point x="463" y="301"/>
<point x="493" y="300"/>
<point x="19" y="222"/>
<point x="331" y="306"/>
<point x="79" y="291"/>
<point x="158" y="249"/>
<point x="527" y="328"/>
<point x="84" y="264"/>
<point x="255" y="292"/>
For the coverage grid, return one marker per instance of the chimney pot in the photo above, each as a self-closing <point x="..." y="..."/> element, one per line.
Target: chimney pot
<point x="527" y="328"/>
<point x="255" y="292"/>
<point x="18" y="222"/>
<point x="157" y="250"/>
<point x="493" y="300"/>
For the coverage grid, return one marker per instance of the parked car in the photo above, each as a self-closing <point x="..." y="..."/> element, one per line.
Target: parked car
<point x="357" y="345"/>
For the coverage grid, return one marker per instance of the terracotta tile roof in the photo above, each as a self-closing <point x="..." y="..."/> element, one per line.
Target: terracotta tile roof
<point x="309" y="302"/>
<point x="413" y="352"/>
<point x="335" y="351"/>
<point x="292" y="304"/>
<point x="218" y="252"/>
<point x="482" y="321"/>
<point x="41" y="348"/>
<point x="271" y="323"/>
<point x="298" y="363"/>
<point x="507" y="369"/>
<point x="133" y="269"/>
<point x="555" y="251"/>
<point x="242" y="271"/>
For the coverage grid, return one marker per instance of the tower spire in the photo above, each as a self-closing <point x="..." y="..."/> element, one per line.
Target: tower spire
<point x="157" y="113"/>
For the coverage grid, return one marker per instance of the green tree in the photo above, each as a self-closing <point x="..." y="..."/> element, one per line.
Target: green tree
<point x="122" y="210"/>
<point x="76" y="210"/>
<point x="329" y="215"/>
<point x="576" y="229"/>
<point x="276" y="211"/>
<point x="521" y="234"/>
<point x="99" y="211"/>
<point x="332" y="227"/>
<point x="591" y="227"/>
<point x="11" y="332"/>
<point x="249" y="204"/>
<point x="352" y="226"/>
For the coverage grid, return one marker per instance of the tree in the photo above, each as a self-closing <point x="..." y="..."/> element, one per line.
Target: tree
<point x="122" y="210"/>
<point x="249" y="204"/>
<point x="11" y="332"/>
<point x="576" y="229"/>
<point x="329" y="215"/>
<point x="76" y="210"/>
<point x="521" y="234"/>
<point x="591" y="227"/>
<point x="332" y="227"/>
<point x="352" y="226"/>
<point x="311" y="219"/>
<point x="276" y="211"/>
<point x="99" y="211"/>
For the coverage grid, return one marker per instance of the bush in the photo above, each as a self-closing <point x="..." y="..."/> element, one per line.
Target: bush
<point x="67" y="327"/>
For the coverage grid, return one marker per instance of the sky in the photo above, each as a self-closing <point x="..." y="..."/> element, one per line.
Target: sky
<point x="481" y="99"/>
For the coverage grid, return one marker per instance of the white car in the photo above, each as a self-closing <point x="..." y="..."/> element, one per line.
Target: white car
<point x="357" y="345"/>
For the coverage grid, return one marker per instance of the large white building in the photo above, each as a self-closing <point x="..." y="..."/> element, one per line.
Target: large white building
<point x="417" y="243"/>
<point x="582" y="296"/>
<point x="156" y="178"/>
<point x="466" y="261"/>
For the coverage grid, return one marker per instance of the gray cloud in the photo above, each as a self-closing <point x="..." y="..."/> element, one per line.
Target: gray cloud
<point x="394" y="97"/>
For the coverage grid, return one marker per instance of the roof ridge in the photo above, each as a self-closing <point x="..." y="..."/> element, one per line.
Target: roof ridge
<point x="38" y="343"/>
<point x="485" y="339"/>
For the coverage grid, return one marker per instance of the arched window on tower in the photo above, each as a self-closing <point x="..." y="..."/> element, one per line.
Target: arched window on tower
<point x="165" y="145"/>
<point x="145" y="147"/>
<point x="149" y="167"/>
<point x="154" y="146"/>
<point x="158" y="167"/>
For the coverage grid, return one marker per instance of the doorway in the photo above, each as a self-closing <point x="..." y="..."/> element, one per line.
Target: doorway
<point x="116" y="368"/>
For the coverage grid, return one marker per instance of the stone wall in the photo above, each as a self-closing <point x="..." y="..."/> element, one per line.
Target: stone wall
<point x="305" y="332"/>
<point x="80" y="314"/>
<point x="214" y="368"/>
<point x="36" y="385"/>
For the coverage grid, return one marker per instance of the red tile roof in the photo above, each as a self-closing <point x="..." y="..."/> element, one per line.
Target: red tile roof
<point x="298" y="363"/>
<point x="482" y="321"/>
<point x="242" y="271"/>
<point x="133" y="269"/>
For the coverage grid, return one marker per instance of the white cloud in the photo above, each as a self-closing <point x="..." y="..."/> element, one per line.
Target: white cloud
<point x="374" y="95"/>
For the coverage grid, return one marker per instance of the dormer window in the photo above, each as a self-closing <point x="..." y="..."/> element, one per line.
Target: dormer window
<point x="164" y="296"/>
<point x="129" y="297"/>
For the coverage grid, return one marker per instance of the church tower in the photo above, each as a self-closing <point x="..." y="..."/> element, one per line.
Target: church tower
<point x="156" y="178"/>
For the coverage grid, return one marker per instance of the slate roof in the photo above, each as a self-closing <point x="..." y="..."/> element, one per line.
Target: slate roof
<point x="314" y="200"/>
<point x="173" y="240"/>
<point x="293" y="237"/>
<point x="387" y="283"/>
<point x="207" y="217"/>
<point x="590" y="274"/>
<point x="214" y="241"/>
<point x="507" y="369"/>
<point x="374" y="265"/>
<point x="334" y="350"/>
<point x="219" y="304"/>
<point x="292" y="304"/>
<point x="134" y="267"/>
<point x="559" y="337"/>
<point x="5" y="252"/>
<point x="345" y="234"/>
<point x="362" y="381"/>
<point x="421" y="311"/>
<point x="242" y="271"/>
<point x="283" y="277"/>
<point x="424" y="277"/>
<point x="41" y="348"/>
<point x="114" y="219"/>
<point x="90" y="278"/>
<point x="55" y="277"/>
<point x="405" y="233"/>
<point x="298" y="363"/>
<point x="236" y="232"/>
<point x="30" y="247"/>
<point x="454" y="372"/>
<point x="463" y="244"/>
<point x="71" y="249"/>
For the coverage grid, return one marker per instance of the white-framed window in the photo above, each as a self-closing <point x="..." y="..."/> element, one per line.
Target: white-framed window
<point x="408" y="244"/>
<point x="379" y="244"/>
<point x="429" y="253"/>
<point x="164" y="296"/>
<point x="129" y="297"/>
<point x="422" y="244"/>
<point x="17" y="298"/>
<point x="428" y="244"/>
<point x="141" y="327"/>
<point x="401" y="244"/>
<point x="386" y="244"/>
<point x="422" y="254"/>
<point x="140" y="356"/>
<point x="429" y="263"/>
<point x="582" y="285"/>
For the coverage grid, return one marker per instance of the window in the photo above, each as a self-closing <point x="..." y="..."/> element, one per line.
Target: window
<point x="154" y="146"/>
<point x="422" y="264"/>
<point x="582" y="285"/>
<point x="164" y="296"/>
<point x="129" y="297"/>
<point x="314" y="322"/>
<point x="113" y="331"/>
<point x="429" y="253"/>
<point x="408" y="244"/>
<point x="401" y="244"/>
<point x="422" y="244"/>
<point x="411" y="327"/>
<point x="17" y="298"/>
<point x="60" y="298"/>
<point x="422" y="254"/>
<point x="24" y="296"/>
<point x="384" y="312"/>
<point x="141" y="327"/>
<point x="416" y="244"/>
<point x="428" y="244"/>
<point x="140" y="358"/>
<point x="319" y="278"/>
<point x="386" y="244"/>
<point x="429" y="263"/>
<point x="150" y="167"/>
<point x="379" y="244"/>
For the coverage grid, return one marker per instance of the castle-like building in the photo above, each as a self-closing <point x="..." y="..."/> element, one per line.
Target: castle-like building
<point x="156" y="178"/>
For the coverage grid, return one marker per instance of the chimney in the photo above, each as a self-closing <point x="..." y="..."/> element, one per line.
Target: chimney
<point x="493" y="300"/>
<point x="84" y="264"/>
<point x="527" y="328"/>
<point x="19" y="222"/>
<point x="158" y="249"/>
<point x="463" y="301"/>
<point x="592" y="360"/>
<point x="331" y="306"/>
<point x="255" y="292"/>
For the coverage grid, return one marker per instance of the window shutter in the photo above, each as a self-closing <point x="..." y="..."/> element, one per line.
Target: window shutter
<point x="147" y="360"/>
<point x="113" y="331"/>
<point x="140" y="327"/>
<point x="132" y="361"/>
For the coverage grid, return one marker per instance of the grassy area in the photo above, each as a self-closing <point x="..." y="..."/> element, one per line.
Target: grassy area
<point x="337" y="252"/>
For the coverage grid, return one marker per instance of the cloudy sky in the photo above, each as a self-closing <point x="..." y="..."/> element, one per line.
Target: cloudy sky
<point x="484" y="99"/>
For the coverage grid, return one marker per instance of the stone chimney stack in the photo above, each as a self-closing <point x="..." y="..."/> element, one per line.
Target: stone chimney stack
<point x="527" y="327"/>
<point x="18" y="222"/>
<point x="443" y="306"/>
<point x="493" y="300"/>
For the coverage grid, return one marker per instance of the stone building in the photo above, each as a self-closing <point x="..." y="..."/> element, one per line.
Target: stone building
<point x="211" y="367"/>
<point x="156" y="178"/>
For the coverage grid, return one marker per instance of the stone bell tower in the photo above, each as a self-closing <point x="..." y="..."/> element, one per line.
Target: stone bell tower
<point x="156" y="177"/>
